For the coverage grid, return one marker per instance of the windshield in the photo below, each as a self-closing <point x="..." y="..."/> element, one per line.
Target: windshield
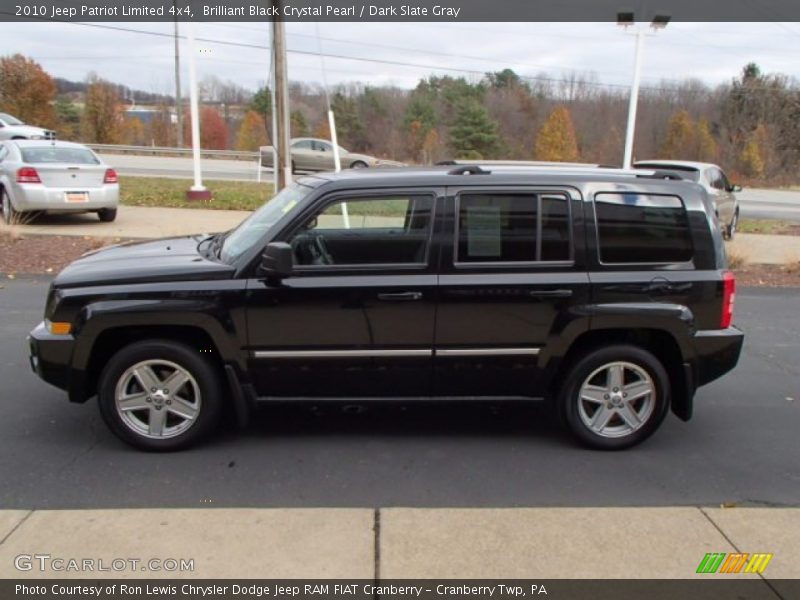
<point x="9" y="120"/>
<point x="59" y="154"/>
<point x="250" y="231"/>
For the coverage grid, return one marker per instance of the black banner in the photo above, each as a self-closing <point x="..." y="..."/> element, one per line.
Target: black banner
<point x="390" y="10"/>
<point x="715" y="587"/>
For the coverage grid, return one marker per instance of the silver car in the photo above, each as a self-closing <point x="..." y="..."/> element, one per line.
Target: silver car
<point x="312" y="154"/>
<point x="12" y="128"/>
<point x="714" y="180"/>
<point x="54" y="176"/>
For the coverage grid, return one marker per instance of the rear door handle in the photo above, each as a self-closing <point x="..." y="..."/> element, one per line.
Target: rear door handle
<point x="550" y="293"/>
<point x="400" y="296"/>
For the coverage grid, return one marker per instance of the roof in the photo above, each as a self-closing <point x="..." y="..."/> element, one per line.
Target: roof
<point x="39" y="143"/>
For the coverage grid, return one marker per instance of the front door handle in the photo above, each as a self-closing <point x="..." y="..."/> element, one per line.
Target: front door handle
<point x="400" y="296"/>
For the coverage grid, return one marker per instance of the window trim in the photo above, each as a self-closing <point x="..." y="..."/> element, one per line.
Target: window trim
<point x="686" y="263"/>
<point x="522" y="263"/>
<point x="328" y="200"/>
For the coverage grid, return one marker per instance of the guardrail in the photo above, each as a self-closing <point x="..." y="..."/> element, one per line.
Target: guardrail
<point x="167" y="151"/>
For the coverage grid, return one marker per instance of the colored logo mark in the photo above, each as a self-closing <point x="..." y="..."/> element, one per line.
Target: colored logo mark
<point x="736" y="562"/>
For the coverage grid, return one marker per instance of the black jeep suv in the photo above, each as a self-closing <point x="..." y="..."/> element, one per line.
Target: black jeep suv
<point x="603" y="291"/>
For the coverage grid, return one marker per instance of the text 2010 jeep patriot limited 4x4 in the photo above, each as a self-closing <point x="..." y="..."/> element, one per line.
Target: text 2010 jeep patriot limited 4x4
<point x="603" y="291"/>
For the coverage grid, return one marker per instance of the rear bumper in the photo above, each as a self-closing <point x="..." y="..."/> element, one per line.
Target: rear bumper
<point x="38" y="197"/>
<point x="717" y="352"/>
<point x="51" y="359"/>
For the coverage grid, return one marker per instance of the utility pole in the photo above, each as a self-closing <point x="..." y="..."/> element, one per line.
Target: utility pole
<point x="284" y="160"/>
<point x="198" y="191"/>
<point x="178" y="100"/>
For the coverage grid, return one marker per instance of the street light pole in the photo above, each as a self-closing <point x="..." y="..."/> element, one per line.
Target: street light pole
<point x="197" y="191"/>
<point x="633" y="101"/>
<point x="626" y="19"/>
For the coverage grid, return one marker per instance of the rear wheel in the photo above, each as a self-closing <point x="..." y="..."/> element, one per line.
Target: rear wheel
<point x="9" y="214"/>
<point x="359" y="164"/>
<point x="107" y="215"/>
<point x="160" y="395"/>
<point x="615" y="397"/>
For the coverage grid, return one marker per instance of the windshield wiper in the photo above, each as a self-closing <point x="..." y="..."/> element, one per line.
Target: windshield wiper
<point x="216" y="243"/>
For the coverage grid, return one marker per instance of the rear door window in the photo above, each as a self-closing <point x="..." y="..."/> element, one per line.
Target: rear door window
<point x="642" y="228"/>
<point x="500" y="227"/>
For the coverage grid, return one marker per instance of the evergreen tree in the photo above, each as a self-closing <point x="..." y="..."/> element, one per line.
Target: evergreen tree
<point x="474" y="135"/>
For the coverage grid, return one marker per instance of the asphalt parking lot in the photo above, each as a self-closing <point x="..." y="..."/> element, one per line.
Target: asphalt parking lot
<point x="740" y="448"/>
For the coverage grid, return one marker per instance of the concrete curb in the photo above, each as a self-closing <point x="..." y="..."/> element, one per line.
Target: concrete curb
<point x="591" y="543"/>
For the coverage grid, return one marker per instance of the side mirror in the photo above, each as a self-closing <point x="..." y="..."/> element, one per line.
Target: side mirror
<point x="277" y="261"/>
<point x="736" y="188"/>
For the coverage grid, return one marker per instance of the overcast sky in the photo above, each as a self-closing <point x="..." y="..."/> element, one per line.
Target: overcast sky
<point x="713" y="52"/>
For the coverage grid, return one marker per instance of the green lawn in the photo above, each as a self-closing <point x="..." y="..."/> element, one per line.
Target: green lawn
<point x="163" y="191"/>
<point x="770" y="226"/>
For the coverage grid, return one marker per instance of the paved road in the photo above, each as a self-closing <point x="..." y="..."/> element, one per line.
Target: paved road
<point x="770" y="204"/>
<point x="741" y="446"/>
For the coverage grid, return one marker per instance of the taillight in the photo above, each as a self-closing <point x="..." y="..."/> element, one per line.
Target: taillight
<point x="728" y="299"/>
<point x="111" y="176"/>
<point x="28" y="175"/>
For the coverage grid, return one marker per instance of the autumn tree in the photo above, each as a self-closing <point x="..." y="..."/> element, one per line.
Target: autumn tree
<point x="556" y="140"/>
<point x="418" y="121"/>
<point x="102" y="122"/>
<point x="213" y="129"/>
<point x="161" y="131"/>
<point x="27" y="91"/>
<point x="322" y="130"/>
<point x="132" y="132"/>
<point x="474" y="133"/>
<point x="752" y="158"/>
<point x="252" y="132"/>
<point x="69" y="118"/>
<point x="688" y="140"/>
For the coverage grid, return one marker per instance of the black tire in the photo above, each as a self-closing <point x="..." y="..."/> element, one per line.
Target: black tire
<point x="570" y="402"/>
<point x="294" y="169"/>
<point x="358" y="164"/>
<point x="202" y="370"/>
<point x="730" y="230"/>
<point x="9" y="214"/>
<point x="107" y="215"/>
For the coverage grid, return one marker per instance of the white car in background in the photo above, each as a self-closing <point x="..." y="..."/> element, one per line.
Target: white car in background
<point x="12" y="128"/>
<point x="713" y="179"/>
<point x="58" y="177"/>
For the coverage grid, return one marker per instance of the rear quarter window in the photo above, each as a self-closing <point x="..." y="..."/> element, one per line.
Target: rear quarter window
<point x="642" y="228"/>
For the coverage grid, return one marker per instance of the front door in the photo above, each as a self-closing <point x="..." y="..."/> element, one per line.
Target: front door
<point x="509" y="279"/>
<point x="356" y="318"/>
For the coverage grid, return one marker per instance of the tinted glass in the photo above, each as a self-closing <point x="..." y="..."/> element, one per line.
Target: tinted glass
<point x="555" y="228"/>
<point x="638" y="228"/>
<point x="496" y="227"/>
<point x="366" y="231"/>
<point x="57" y="154"/>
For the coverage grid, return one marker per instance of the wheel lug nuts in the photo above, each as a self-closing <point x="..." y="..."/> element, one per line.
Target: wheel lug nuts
<point x="624" y="394"/>
<point x="153" y="390"/>
<point x="148" y="399"/>
<point x="616" y="389"/>
<point x="166" y="391"/>
<point x="169" y="401"/>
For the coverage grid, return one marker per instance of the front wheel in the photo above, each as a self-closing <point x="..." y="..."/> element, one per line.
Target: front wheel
<point x="731" y="228"/>
<point x="359" y="164"/>
<point x="160" y="395"/>
<point x="615" y="397"/>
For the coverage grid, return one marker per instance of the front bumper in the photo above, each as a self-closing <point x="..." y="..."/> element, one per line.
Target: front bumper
<point x="51" y="359"/>
<point x="717" y="352"/>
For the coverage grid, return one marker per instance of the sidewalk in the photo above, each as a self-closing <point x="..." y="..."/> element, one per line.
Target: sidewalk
<point x="147" y="222"/>
<point x="603" y="543"/>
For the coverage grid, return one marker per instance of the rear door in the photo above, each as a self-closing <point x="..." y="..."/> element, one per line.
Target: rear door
<point x="303" y="156"/>
<point x="510" y="274"/>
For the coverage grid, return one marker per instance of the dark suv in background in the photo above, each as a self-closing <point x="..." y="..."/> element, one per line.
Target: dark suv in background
<point x="600" y="290"/>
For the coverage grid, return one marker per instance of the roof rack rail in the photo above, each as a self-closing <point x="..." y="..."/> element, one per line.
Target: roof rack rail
<point x="468" y="170"/>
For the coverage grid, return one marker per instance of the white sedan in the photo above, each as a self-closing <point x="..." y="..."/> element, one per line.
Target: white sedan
<point x="54" y="176"/>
